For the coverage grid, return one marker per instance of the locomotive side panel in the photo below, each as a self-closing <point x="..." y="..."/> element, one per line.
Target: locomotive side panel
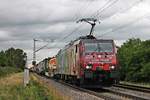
<point x="59" y="62"/>
<point x="68" y="61"/>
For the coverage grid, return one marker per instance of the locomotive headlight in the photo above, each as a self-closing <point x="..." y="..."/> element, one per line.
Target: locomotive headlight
<point x="88" y="67"/>
<point x="112" y="67"/>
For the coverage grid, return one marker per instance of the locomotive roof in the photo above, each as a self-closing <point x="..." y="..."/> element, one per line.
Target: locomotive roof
<point x="97" y="40"/>
<point x="89" y="38"/>
<point x="85" y="40"/>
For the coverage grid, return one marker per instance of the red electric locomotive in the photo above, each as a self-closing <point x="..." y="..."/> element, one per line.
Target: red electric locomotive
<point x="88" y="60"/>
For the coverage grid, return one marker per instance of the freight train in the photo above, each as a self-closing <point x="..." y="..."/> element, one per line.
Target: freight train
<point x="46" y="67"/>
<point x="85" y="61"/>
<point x="88" y="61"/>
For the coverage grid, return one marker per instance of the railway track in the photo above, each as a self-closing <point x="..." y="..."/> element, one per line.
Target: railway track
<point x="133" y="87"/>
<point x="88" y="91"/>
<point x="135" y="92"/>
<point x="106" y="93"/>
<point x="127" y="93"/>
<point x="115" y="94"/>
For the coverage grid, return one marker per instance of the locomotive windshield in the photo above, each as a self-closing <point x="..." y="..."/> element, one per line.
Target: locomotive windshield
<point x="99" y="47"/>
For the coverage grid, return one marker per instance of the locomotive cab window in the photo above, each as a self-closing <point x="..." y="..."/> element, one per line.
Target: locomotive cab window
<point x="99" y="47"/>
<point x="91" y="47"/>
<point x="105" y="47"/>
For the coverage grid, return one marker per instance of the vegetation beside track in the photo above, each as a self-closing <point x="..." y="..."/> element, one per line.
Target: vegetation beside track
<point x="6" y="71"/>
<point x="11" y="61"/>
<point x="51" y="89"/>
<point x="12" y="57"/>
<point x="12" y="89"/>
<point x="134" y="60"/>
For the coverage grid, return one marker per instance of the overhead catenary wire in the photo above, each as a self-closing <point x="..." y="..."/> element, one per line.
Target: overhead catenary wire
<point x="107" y="5"/>
<point x="104" y="7"/>
<point x="127" y="9"/>
<point x="123" y="26"/>
<point x="75" y="17"/>
<point x="126" y="25"/>
<point x="55" y="44"/>
<point x="97" y="15"/>
<point x="132" y="5"/>
<point x="61" y="39"/>
<point x="85" y="8"/>
<point x="76" y="29"/>
<point x="99" y="11"/>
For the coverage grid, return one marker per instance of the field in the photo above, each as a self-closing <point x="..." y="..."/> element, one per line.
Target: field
<point x="12" y="89"/>
<point x="5" y="71"/>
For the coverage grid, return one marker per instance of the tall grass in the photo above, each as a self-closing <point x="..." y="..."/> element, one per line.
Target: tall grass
<point x="11" y="88"/>
<point x="51" y="89"/>
<point x="5" y="71"/>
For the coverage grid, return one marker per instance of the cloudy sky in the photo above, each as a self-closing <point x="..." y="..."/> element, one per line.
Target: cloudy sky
<point x="54" y="22"/>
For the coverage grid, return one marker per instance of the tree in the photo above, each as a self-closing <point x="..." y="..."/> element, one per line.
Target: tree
<point x="125" y="54"/>
<point x="12" y="58"/>
<point x="2" y="59"/>
<point x="134" y="58"/>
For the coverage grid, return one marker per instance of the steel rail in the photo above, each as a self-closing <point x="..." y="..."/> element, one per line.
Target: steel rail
<point x="74" y="87"/>
<point x="110" y="90"/>
<point x="125" y="94"/>
<point x="100" y="95"/>
<point x="90" y="92"/>
<point x="133" y="87"/>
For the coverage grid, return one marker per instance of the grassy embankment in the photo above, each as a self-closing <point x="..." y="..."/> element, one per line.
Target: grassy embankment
<point x="5" y="71"/>
<point x="11" y="88"/>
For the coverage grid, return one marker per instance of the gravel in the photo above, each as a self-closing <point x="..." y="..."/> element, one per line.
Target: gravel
<point x="73" y="94"/>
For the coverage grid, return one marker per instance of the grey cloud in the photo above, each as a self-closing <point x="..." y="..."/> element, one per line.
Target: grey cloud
<point x="23" y="20"/>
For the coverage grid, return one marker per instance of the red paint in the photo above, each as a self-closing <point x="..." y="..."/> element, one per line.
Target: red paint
<point x="81" y="59"/>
